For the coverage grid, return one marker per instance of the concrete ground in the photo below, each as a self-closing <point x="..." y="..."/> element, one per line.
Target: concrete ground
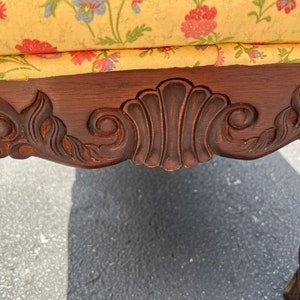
<point x="223" y="230"/>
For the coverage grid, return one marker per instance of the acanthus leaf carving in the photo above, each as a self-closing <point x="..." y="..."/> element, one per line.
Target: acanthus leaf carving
<point x="175" y="125"/>
<point x="44" y="135"/>
<point x="242" y="117"/>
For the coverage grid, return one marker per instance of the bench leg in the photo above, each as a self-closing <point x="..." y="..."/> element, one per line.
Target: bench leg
<point x="292" y="291"/>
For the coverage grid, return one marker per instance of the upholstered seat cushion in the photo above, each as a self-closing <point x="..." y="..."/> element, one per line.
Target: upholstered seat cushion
<point x="61" y="37"/>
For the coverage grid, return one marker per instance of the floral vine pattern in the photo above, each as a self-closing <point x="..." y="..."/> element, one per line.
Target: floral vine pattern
<point x="41" y="49"/>
<point x="131" y="35"/>
<point x="85" y="11"/>
<point x="262" y="8"/>
<point x="166" y="51"/>
<point x="21" y="64"/>
<point x="200" y="25"/>
<point x="19" y="60"/>
<point x="101" y="62"/>
<point x="252" y="52"/>
<point x="197" y="37"/>
<point x="284" y="55"/>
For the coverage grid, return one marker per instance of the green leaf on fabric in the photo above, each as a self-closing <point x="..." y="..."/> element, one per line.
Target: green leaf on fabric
<point x="3" y="60"/>
<point x="253" y="13"/>
<point x="282" y="52"/>
<point x="256" y="3"/>
<point x="268" y="18"/>
<point x="224" y="40"/>
<point x="107" y="41"/>
<point x="137" y="32"/>
<point x="238" y="54"/>
<point x="145" y="53"/>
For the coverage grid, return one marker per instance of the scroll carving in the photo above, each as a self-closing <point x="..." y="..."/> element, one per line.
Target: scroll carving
<point x="175" y="125"/>
<point x="37" y="132"/>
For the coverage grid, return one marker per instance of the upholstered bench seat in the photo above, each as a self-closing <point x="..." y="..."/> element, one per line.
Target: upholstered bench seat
<point x="63" y="37"/>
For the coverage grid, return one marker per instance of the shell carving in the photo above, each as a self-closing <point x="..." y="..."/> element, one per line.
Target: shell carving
<point x="172" y="122"/>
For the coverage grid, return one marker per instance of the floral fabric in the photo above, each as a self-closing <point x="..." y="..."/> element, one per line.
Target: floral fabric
<point x="60" y="37"/>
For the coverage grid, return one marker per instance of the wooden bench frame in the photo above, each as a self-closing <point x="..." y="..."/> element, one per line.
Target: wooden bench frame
<point x="168" y="118"/>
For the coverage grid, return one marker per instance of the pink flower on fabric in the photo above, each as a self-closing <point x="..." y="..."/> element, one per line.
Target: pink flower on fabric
<point x="220" y="58"/>
<point x="35" y="47"/>
<point x="199" y="22"/>
<point x="78" y="57"/>
<point x="107" y="63"/>
<point x="255" y="54"/>
<point x="135" y="6"/>
<point x="2" y="11"/>
<point x="287" y="5"/>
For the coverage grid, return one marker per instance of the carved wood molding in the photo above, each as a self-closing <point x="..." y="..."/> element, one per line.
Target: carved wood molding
<point x="175" y="125"/>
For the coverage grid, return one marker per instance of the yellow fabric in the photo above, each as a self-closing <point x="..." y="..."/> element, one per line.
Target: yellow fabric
<point x="43" y="38"/>
<point x="47" y="65"/>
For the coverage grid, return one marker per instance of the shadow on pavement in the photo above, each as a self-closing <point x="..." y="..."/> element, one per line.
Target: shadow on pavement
<point x="223" y="230"/>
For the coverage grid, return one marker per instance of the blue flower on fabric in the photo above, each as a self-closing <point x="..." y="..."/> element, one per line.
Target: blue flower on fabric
<point x="50" y="7"/>
<point x="87" y="9"/>
<point x="48" y="10"/>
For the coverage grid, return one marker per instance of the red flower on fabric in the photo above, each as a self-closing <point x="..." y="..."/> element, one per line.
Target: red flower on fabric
<point x="199" y="22"/>
<point x="287" y="5"/>
<point x="35" y="47"/>
<point x="2" y="11"/>
<point x="78" y="57"/>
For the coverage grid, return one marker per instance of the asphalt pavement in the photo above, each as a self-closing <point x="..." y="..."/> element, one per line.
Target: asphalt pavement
<point x="227" y="229"/>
